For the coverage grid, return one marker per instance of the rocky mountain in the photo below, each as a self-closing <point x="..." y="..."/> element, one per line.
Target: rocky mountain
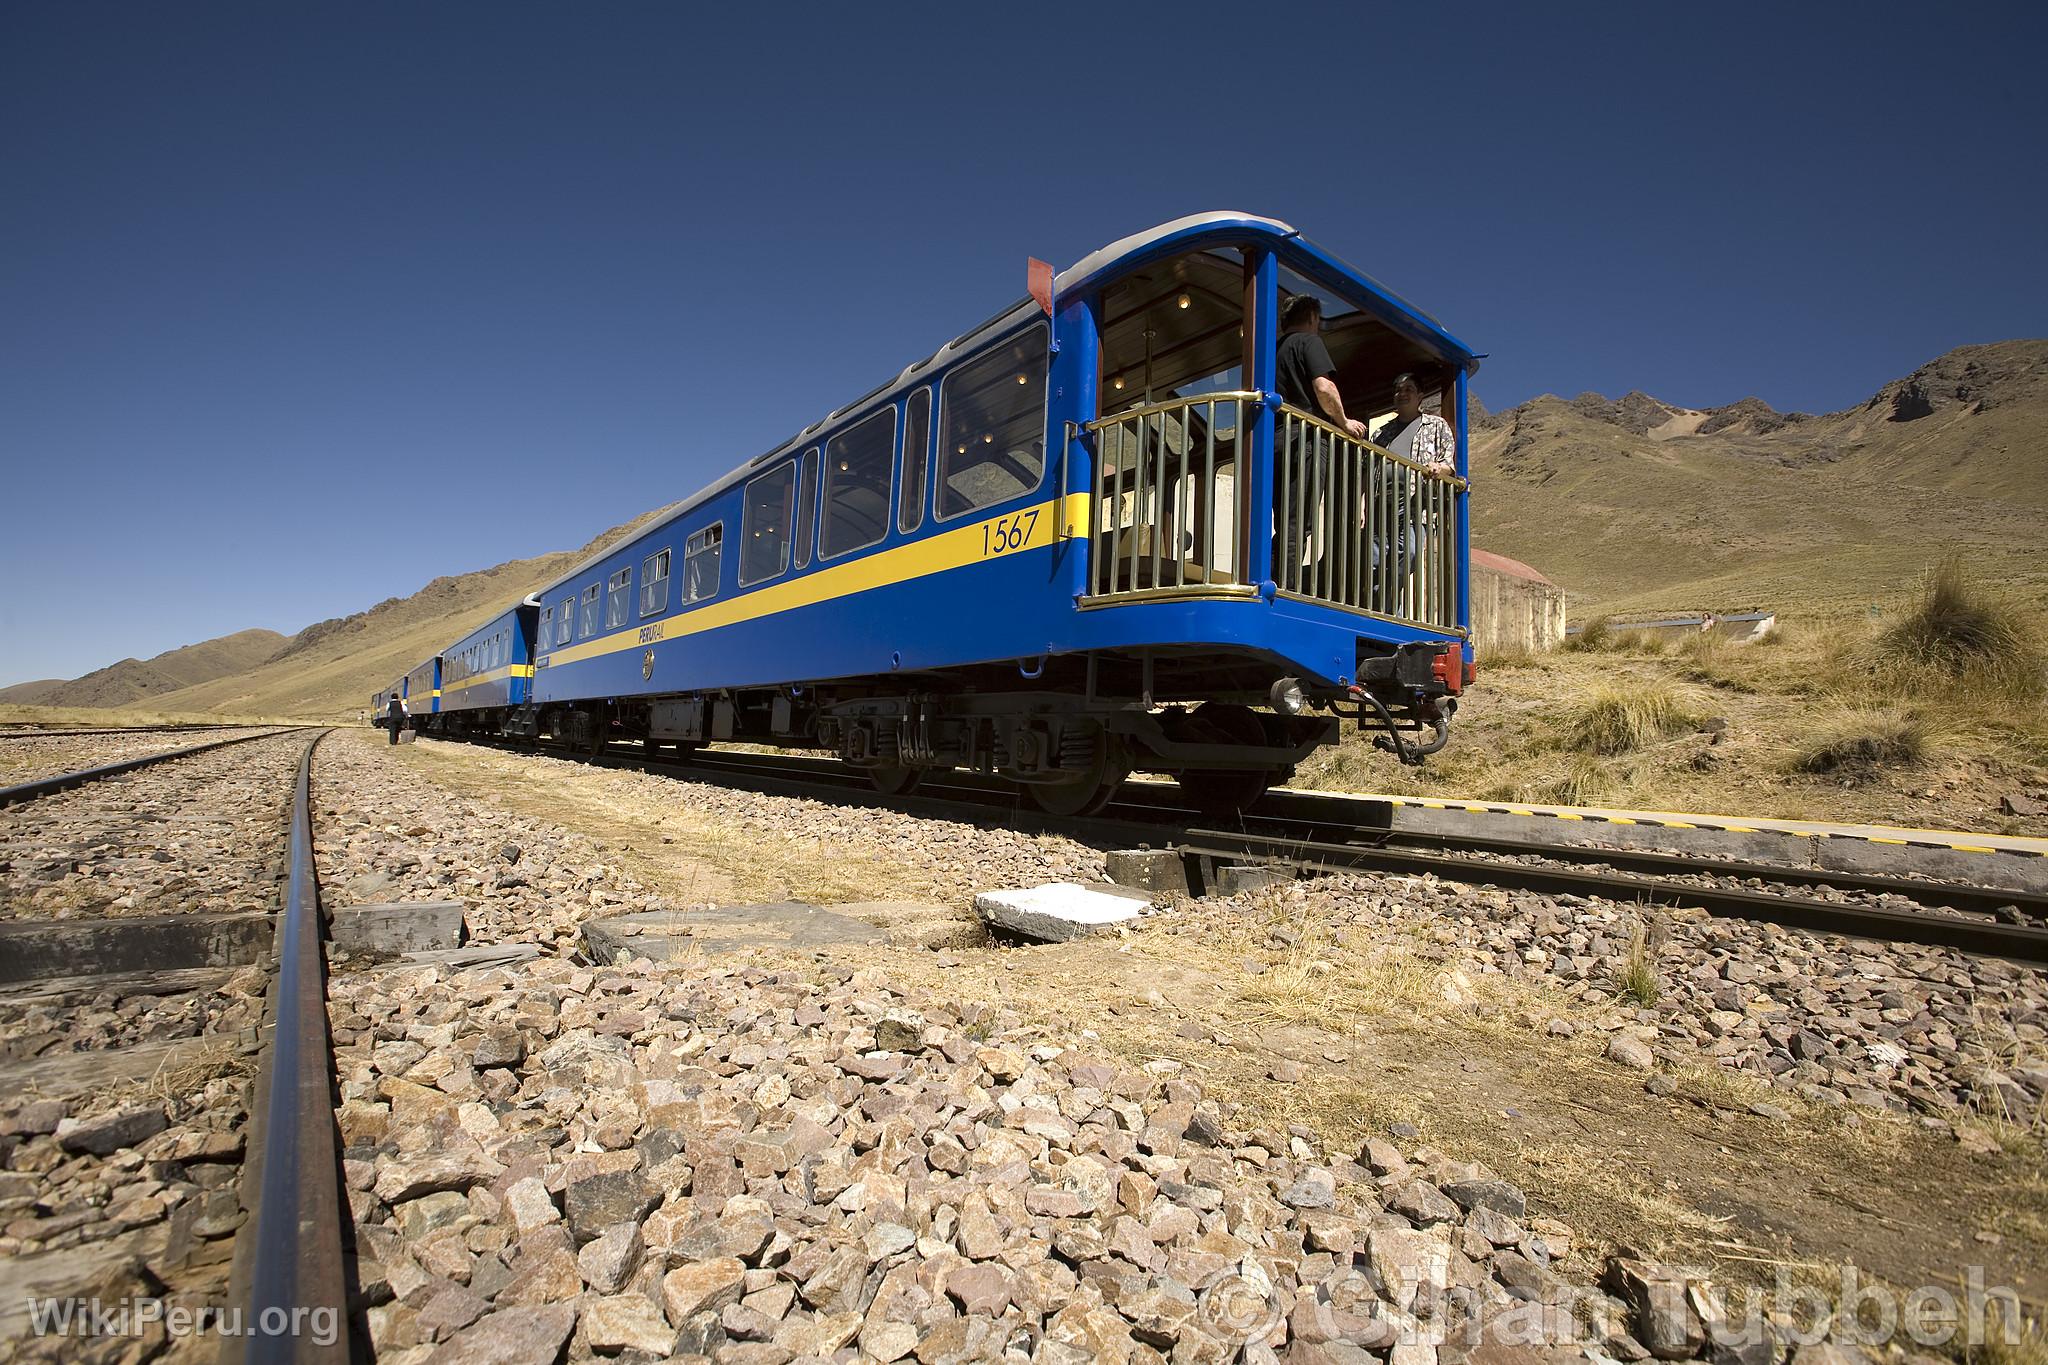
<point x="327" y="670"/>
<point x="136" y="680"/>
<point x="1638" y="504"/>
<point x="330" y="668"/>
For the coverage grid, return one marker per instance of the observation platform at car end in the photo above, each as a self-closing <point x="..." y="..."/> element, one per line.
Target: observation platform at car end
<point x="2015" y="862"/>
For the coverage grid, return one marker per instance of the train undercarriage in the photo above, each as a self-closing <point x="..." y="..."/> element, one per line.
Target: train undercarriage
<point x="1068" y="740"/>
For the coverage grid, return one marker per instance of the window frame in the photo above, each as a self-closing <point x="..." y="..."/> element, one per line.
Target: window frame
<point x="648" y="580"/>
<point x="618" y="593"/>
<point x="586" y="619"/>
<point x="717" y="579"/>
<point x="746" y="515"/>
<point x="547" y="623"/>
<point x="825" y="484"/>
<point x="806" y="533"/>
<point x="565" y="622"/>
<point x="924" y="469"/>
<point x="1045" y="408"/>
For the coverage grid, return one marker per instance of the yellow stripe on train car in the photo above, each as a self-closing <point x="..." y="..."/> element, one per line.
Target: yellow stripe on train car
<point x="1013" y="533"/>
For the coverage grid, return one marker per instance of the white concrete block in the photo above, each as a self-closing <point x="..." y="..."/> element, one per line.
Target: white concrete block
<point x="1058" y="911"/>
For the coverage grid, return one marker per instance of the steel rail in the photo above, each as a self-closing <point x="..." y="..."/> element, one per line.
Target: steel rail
<point x="1314" y="818"/>
<point x="1984" y="937"/>
<point x="1955" y="895"/>
<point x="1318" y="817"/>
<point x="46" y="786"/>
<point x="16" y="732"/>
<point x="1152" y="813"/>
<point x="289" y="1255"/>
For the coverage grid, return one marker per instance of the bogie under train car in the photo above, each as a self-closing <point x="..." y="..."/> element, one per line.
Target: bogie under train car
<point x="1085" y="538"/>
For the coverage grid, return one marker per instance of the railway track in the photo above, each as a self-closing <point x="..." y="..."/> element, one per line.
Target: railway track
<point x="288" y="1260"/>
<point x="46" y="786"/>
<point x="62" y="732"/>
<point x="1308" y="832"/>
<point x="285" y="1284"/>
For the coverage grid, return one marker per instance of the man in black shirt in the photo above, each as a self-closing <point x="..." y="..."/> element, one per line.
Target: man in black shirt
<point x="1308" y="381"/>
<point x="1307" y="377"/>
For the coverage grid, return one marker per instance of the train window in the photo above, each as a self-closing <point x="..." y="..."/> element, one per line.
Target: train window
<point x="618" y="594"/>
<point x="586" y="620"/>
<point x="701" y="555"/>
<point x="654" y="583"/>
<point x="992" y="427"/>
<point x="806" y="506"/>
<point x="764" y="534"/>
<point x="859" y="465"/>
<point x="917" y="422"/>
<point x="565" y="620"/>
<point x="547" y="625"/>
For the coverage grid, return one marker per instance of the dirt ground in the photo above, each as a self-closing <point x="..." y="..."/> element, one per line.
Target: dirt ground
<point x="1387" y="1032"/>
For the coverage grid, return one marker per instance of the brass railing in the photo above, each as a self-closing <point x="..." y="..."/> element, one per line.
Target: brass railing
<point x="1362" y="527"/>
<point x="1166" y="497"/>
<point x="1354" y="525"/>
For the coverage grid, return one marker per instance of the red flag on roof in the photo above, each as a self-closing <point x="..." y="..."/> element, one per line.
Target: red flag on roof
<point x="1039" y="275"/>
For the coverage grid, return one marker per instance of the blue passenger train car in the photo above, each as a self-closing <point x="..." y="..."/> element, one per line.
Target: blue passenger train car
<point x="421" y="689"/>
<point x="487" y="673"/>
<point x="1086" y="537"/>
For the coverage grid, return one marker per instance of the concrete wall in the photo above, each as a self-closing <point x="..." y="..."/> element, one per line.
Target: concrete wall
<point x="1510" y="612"/>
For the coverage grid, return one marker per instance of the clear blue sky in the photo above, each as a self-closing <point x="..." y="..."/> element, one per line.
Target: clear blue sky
<point x="304" y="304"/>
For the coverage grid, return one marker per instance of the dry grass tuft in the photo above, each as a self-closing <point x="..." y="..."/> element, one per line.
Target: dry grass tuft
<point x="2010" y="1338"/>
<point x="1638" y="979"/>
<point x="1506" y="657"/>
<point x="1596" y="635"/>
<point x="1584" y="781"/>
<point x="1959" y="632"/>
<point x="1617" y="719"/>
<point x="1861" y="741"/>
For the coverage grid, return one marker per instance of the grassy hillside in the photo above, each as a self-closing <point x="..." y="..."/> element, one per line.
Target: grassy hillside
<point x="1638" y="506"/>
<point x="329" y="670"/>
<point x="132" y="681"/>
<point x="30" y="693"/>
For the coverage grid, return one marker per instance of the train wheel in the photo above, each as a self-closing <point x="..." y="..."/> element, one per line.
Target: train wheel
<point x="1226" y="791"/>
<point x="895" y="779"/>
<point x="1088" y="791"/>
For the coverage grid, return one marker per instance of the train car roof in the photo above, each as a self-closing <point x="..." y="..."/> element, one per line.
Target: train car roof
<point x="1169" y="238"/>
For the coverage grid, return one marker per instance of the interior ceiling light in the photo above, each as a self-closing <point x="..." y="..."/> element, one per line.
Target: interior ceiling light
<point x="1183" y="301"/>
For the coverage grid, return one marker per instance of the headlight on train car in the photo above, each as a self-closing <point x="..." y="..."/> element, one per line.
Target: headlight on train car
<point x="1286" y="696"/>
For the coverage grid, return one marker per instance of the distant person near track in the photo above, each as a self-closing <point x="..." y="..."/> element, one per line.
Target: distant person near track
<point x="394" y="715"/>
